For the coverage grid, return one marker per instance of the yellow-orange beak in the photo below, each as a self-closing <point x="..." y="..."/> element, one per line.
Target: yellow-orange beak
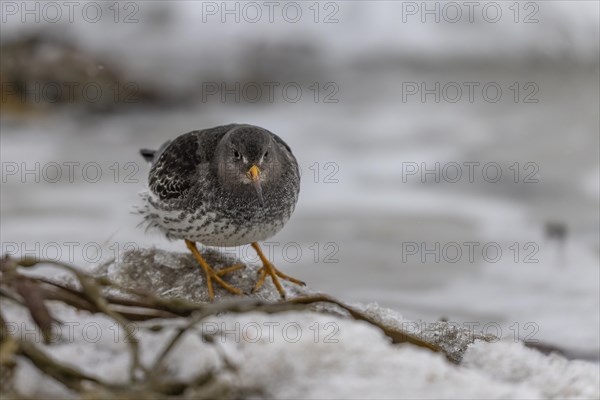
<point x="254" y="175"/>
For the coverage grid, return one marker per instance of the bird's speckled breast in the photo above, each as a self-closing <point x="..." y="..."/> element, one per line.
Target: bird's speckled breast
<point x="220" y="225"/>
<point x="192" y="197"/>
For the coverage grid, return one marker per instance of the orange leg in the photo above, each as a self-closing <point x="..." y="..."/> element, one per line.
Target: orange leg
<point x="274" y="273"/>
<point x="211" y="274"/>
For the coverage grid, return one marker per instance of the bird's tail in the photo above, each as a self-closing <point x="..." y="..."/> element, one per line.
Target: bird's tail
<point x="148" y="154"/>
<point x="152" y="155"/>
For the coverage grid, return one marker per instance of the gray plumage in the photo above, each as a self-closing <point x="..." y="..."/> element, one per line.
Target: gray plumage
<point x="200" y="188"/>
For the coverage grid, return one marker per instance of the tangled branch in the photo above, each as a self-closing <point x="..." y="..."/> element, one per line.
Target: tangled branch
<point x="90" y="295"/>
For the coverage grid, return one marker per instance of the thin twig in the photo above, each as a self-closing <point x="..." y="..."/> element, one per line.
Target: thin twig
<point x="93" y="294"/>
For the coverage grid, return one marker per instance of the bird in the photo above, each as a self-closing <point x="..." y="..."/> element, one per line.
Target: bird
<point x="230" y="185"/>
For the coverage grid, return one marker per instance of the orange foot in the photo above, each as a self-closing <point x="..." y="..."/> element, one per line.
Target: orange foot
<point x="211" y="274"/>
<point x="274" y="273"/>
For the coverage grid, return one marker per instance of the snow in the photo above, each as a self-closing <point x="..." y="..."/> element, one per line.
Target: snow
<point x="294" y="354"/>
<point x="552" y="376"/>
<point x="358" y="362"/>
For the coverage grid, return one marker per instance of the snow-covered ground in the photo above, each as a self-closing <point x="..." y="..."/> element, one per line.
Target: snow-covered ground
<point x="293" y="354"/>
<point x="357" y="363"/>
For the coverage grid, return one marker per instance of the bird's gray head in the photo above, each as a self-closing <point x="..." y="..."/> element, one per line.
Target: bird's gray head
<point x="247" y="157"/>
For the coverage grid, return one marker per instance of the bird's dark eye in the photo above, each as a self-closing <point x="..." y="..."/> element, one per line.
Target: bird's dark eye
<point x="236" y="154"/>
<point x="266" y="154"/>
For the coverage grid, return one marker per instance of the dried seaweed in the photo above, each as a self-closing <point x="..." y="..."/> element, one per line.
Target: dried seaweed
<point x="100" y="295"/>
